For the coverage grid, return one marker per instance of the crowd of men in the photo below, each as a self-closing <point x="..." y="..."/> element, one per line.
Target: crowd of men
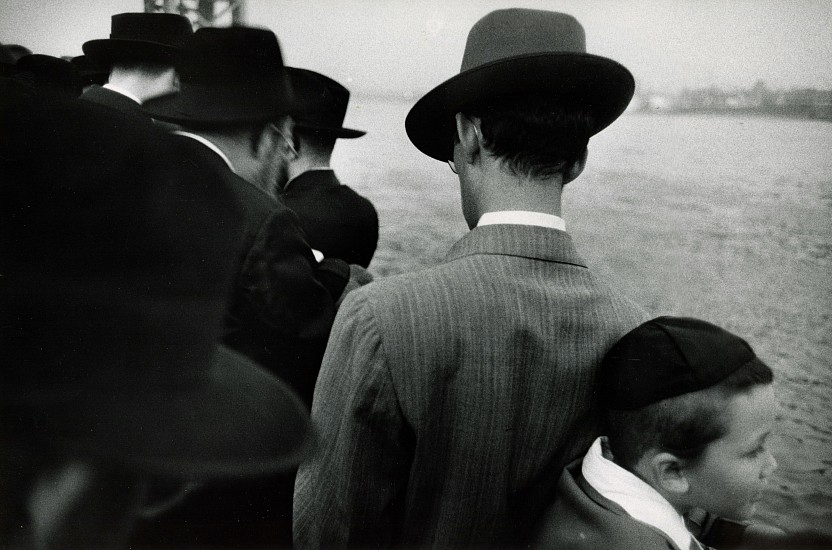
<point x="184" y="278"/>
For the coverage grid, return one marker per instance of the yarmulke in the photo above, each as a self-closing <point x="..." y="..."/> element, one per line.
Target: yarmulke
<point x="667" y="357"/>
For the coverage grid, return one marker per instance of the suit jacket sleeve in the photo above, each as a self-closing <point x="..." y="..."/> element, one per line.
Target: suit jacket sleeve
<point x="280" y="278"/>
<point x="349" y="493"/>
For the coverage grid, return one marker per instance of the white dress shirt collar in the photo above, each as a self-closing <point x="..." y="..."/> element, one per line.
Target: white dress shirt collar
<point x="638" y="499"/>
<point x="522" y="217"/>
<point x="209" y="145"/>
<point x="122" y="91"/>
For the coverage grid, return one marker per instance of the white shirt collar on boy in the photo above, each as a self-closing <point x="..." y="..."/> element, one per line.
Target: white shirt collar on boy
<point x="638" y="499"/>
<point x="522" y="217"/>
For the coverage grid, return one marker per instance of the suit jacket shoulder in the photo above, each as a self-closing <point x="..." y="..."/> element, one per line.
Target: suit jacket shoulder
<point x="485" y="365"/>
<point x="581" y="518"/>
<point x="115" y="100"/>
<point x="338" y="221"/>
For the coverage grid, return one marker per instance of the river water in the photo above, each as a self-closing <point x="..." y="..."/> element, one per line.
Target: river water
<point x="726" y="219"/>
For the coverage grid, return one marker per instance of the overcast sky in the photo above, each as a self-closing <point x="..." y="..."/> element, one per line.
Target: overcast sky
<point x="411" y="45"/>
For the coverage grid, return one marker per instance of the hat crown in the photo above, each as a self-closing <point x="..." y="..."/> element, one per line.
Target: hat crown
<point x="227" y="76"/>
<point x="320" y="99"/>
<point x="515" y="32"/>
<point x="230" y="55"/>
<point x="164" y="28"/>
<point x="667" y="357"/>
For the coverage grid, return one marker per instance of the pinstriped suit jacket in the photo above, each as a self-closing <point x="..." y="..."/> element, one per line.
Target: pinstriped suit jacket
<point x="447" y="393"/>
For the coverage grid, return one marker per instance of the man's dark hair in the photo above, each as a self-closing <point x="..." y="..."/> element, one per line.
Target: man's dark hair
<point x="535" y="136"/>
<point x="684" y="425"/>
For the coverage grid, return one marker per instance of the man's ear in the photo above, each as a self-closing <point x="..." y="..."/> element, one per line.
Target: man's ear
<point x="668" y="473"/>
<point x="576" y="168"/>
<point x="468" y="136"/>
<point x="263" y="140"/>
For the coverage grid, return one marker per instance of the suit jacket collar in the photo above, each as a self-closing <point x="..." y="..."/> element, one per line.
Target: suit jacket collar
<point x="315" y="176"/>
<point x="525" y="241"/>
<point x="114" y="100"/>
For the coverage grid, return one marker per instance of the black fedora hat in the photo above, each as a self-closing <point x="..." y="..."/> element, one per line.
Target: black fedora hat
<point x="227" y="76"/>
<point x="516" y="52"/>
<point x="140" y="37"/>
<point x="49" y="74"/>
<point x="91" y="72"/>
<point x="117" y="258"/>
<point x="321" y="104"/>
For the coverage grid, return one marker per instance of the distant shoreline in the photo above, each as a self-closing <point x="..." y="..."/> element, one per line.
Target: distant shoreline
<point x="741" y="112"/>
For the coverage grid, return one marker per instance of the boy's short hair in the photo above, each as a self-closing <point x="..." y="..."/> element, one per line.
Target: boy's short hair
<point x="536" y="136"/>
<point x="666" y="386"/>
<point x="683" y="425"/>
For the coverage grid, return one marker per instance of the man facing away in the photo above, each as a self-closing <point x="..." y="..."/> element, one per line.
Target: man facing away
<point x="140" y="56"/>
<point x="233" y="107"/>
<point x="337" y="221"/>
<point x="449" y="400"/>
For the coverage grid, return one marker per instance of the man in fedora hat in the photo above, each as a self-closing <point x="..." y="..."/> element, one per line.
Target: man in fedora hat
<point x="139" y="55"/>
<point x="116" y="264"/>
<point x="233" y="107"/>
<point x="449" y="397"/>
<point x="337" y="221"/>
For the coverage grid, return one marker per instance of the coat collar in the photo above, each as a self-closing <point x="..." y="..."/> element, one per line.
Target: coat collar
<point x="114" y="100"/>
<point x="314" y="176"/>
<point x="525" y="241"/>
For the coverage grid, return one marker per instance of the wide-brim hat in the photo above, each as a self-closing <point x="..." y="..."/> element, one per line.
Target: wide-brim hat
<point x="237" y="420"/>
<point x="227" y="76"/>
<point x="320" y="104"/>
<point x="516" y="52"/>
<point x="118" y="255"/>
<point x="140" y="37"/>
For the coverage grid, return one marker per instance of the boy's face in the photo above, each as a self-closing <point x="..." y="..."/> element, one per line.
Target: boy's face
<point x="729" y="477"/>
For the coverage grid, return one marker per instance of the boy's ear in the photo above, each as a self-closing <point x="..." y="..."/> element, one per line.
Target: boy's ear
<point x="668" y="473"/>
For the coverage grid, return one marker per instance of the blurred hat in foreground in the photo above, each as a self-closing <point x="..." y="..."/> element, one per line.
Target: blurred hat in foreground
<point x="117" y="259"/>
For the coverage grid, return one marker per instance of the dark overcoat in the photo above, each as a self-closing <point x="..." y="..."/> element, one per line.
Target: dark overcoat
<point x="338" y="221"/>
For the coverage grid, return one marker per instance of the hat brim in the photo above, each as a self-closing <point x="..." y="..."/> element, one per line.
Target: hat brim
<point x="241" y="421"/>
<point x="599" y="85"/>
<point x="338" y="132"/>
<point x="106" y="51"/>
<point x="221" y="110"/>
